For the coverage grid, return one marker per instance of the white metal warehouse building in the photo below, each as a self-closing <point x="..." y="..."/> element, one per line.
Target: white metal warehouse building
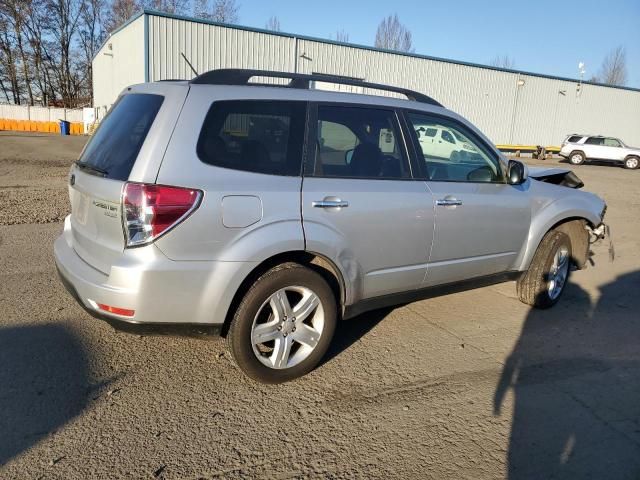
<point x="509" y="106"/>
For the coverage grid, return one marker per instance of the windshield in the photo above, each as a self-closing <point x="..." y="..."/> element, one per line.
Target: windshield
<point x="113" y="149"/>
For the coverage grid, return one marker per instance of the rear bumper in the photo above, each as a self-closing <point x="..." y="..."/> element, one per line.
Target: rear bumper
<point x="191" y="296"/>
<point x="182" y="329"/>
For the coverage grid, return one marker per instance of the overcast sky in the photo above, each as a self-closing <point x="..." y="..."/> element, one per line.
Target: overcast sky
<point x="545" y="36"/>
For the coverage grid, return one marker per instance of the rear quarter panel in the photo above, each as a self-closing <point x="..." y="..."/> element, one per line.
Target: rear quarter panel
<point x="244" y="216"/>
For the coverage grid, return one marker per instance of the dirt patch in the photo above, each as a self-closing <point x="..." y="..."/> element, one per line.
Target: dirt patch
<point x="470" y="385"/>
<point x="33" y="173"/>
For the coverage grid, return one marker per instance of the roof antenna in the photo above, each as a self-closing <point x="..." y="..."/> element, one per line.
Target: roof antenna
<point x="189" y="63"/>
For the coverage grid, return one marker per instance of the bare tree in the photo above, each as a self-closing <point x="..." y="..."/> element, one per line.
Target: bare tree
<point x="273" y="24"/>
<point x="64" y="16"/>
<point x="8" y="62"/>
<point x="14" y="13"/>
<point x="342" y="36"/>
<point x="200" y="8"/>
<point x="120" y="12"/>
<point x="90" y="35"/>
<point x="223" y="11"/>
<point x="503" y="61"/>
<point x="46" y="50"/>
<point x="613" y="70"/>
<point x="36" y="28"/>
<point x="167" y="6"/>
<point x="392" y="35"/>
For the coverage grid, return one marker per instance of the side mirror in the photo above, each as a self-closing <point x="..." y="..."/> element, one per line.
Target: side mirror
<point x="347" y="156"/>
<point x="516" y="173"/>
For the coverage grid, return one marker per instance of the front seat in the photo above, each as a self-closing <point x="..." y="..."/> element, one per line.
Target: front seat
<point x="366" y="160"/>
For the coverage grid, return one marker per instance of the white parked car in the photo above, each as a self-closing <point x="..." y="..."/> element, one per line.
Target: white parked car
<point x="440" y="142"/>
<point x="580" y="148"/>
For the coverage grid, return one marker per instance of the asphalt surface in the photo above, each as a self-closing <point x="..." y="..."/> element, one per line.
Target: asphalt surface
<point x="470" y="385"/>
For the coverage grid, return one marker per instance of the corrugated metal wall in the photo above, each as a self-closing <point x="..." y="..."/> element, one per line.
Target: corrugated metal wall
<point x="483" y="96"/>
<point x="119" y="63"/>
<point x="209" y="47"/>
<point x="509" y="107"/>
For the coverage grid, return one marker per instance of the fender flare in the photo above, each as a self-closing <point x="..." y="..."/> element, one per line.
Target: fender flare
<point x="560" y="211"/>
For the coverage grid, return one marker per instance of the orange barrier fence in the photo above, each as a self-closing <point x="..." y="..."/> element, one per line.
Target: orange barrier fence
<point x="35" y="126"/>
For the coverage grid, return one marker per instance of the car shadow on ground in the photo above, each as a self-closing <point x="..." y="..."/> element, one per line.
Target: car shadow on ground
<point x="575" y="378"/>
<point x="350" y="331"/>
<point x="43" y="384"/>
<point x="599" y="163"/>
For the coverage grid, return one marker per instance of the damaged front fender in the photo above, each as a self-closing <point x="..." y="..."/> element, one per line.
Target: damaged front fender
<point x="556" y="176"/>
<point x="600" y="234"/>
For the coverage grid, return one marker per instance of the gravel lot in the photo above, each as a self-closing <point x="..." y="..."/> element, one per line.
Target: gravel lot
<point x="470" y="385"/>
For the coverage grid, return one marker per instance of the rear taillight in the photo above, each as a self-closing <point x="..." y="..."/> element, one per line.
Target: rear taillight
<point x="149" y="211"/>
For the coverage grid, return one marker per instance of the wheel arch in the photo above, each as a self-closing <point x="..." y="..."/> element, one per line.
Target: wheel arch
<point x="573" y="224"/>
<point x="580" y="151"/>
<point x="315" y="261"/>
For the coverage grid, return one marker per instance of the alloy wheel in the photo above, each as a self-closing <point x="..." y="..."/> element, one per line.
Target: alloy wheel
<point x="287" y="327"/>
<point x="558" y="273"/>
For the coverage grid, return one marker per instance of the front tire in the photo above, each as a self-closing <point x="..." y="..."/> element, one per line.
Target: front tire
<point x="542" y="285"/>
<point x="631" y="163"/>
<point x="284" y="324"/>
<point x="576" y="158"/>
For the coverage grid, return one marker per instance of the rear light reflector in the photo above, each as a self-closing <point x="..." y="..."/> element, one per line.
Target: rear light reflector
<point x="149" y="210"/>
<point x="118" y="311"/>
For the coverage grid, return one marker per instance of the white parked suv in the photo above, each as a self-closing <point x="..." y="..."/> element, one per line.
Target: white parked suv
<point x="580" y="148"/>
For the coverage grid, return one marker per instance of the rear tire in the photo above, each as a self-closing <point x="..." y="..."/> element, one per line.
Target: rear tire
<point x="631" y="163"/>
<point x="265" y="338"/>
<point x="542" y="285"/>
<point x="576" y="158"/>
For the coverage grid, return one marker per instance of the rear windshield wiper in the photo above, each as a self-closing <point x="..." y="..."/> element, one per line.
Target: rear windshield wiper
<point x="91" y="169"/>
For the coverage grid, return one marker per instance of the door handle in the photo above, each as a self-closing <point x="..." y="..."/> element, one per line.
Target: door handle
<point x="330" y="202"/>
<point x="448" y="202"/>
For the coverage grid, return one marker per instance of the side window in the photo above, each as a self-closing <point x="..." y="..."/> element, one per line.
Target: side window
<point x="359" y="142"/>
<point x="594" y="141"/>
<point x="574" y="139"/>
<point x="611" y="142"/>
<point x="459" y="157"/>
<point x="447" y="137"/>
<point x="256" y="136"/>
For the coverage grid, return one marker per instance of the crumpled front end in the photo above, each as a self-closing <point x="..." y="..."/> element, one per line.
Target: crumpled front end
<point x="556" y="176"/>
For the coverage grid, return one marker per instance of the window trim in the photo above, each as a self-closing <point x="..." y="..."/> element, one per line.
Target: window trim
<point x="420" y="165"/>
<point x="299" y="154"/>
<point x="312" y="132"/>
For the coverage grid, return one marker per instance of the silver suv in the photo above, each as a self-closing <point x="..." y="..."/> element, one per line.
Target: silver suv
<point x="580" y="148"/>
<point x="267" y="213"/>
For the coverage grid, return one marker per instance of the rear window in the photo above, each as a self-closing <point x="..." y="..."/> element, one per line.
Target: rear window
<point x="115" y="145"/>
<point x="255" y="136"/>
<point x="574" y="139"/>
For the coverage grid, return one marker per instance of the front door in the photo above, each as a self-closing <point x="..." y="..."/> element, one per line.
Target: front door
<point x="613" y="150"/>
<point x="481" y="223"/>
<point x="360" y="205"/>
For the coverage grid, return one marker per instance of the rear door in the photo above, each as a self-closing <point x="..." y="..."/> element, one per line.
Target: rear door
<point x="481" y="223"/>
<point x="360" y="205"/>
<point x="128" y="145"/>
<point x="594" y="148"/>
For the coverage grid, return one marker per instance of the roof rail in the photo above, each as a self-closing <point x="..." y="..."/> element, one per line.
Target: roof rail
<point x="237" y="76"/>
